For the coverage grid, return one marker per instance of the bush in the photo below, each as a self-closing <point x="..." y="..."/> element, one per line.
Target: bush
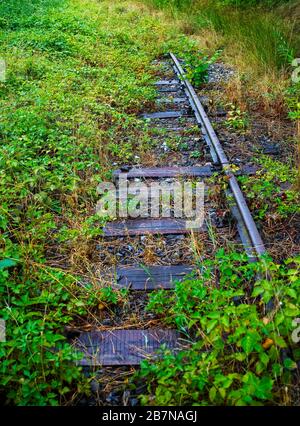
<point x="238" y="353"/>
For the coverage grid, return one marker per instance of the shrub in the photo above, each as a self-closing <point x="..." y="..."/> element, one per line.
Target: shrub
<point x="238" y="354"/>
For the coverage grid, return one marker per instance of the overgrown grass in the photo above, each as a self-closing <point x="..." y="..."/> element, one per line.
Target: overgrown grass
<point x="265" y="192"/>
<point x="257" y="41"/>
<point x="78" y="72"/>
<point x="255" y="36"/>
<point x="238" y="354"/>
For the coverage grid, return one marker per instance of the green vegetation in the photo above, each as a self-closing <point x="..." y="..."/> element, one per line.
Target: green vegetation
<point x="197" y="66"/>
<point x="256" y="38"/>
<point x="237" y="119"/>
<point x="78" y="72"/>
<point x="238" y="317"/>
<point x="260" y="38"/>
<point x="273" y="193"/>
<point x="239" y="354"/>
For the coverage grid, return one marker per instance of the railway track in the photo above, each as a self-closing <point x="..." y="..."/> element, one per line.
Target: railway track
<point x="181" y="112"/>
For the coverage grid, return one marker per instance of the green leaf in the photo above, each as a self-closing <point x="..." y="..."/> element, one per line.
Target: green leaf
<point x="264" y="358"/>
<point x="7" y="263"/>
<point x="222" y="392"/>
<point x="279" y="341"/>
<point x="213" y="315"/>
<point x="259" y="368"/>
<point x="225" y="321"/>
<point x="240" y="356"/>
<point x="263" y="388"/>
<point x="257" y="291"/>
<point x="211" y="325"/>
<point x="212" y="394"/>
<point x="277" y="369"/>
<point x="292" y="293"/>
<point x="248" y="344"/>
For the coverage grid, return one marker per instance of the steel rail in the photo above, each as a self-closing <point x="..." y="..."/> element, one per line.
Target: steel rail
<point x="218" y="154"/>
